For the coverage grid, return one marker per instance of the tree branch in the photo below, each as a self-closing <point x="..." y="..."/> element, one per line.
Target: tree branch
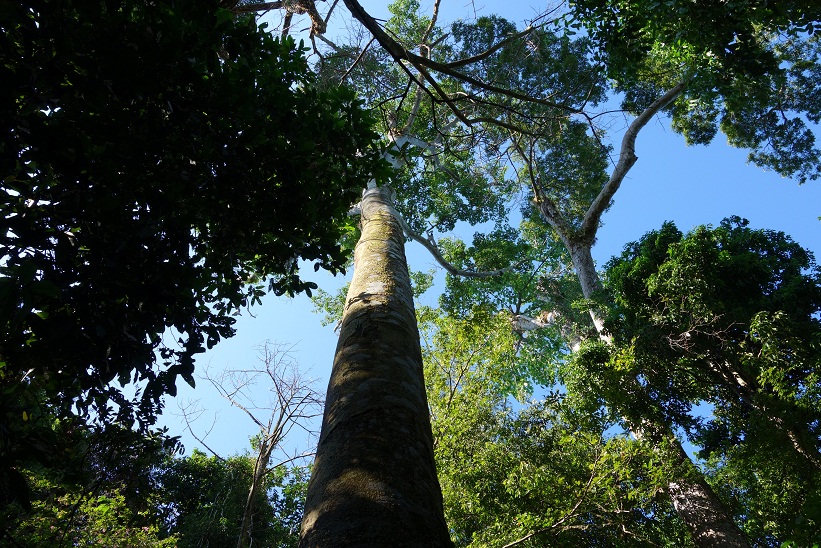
<point x="258" y="6"/>
<point x="547" y="207"/>
<point x="400" y="54"/>
<point x="487" y="53"/>
<point x="356" y="61"/>
<point x="627" y="157"/>
<point x="431" y="246"/>
<point x="433" y="19"/>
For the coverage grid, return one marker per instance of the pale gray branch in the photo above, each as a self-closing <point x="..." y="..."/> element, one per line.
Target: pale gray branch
<point x="437" y="255"/>
<point x="627" y="157"/>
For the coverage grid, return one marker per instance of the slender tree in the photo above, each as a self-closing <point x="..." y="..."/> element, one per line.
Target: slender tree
<point x="292" y="402"/>
<point x="201" y="498"/>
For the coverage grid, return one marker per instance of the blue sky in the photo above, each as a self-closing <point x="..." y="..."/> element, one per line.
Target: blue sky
<point x="670" y="181"/>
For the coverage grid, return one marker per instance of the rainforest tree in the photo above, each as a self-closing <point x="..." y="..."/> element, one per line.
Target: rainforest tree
<point x="537" y="117"/>
<point x="374" y="478"/>
<point x="488" y="96"/>
<point x="750" y="70"/>
<point x="728" y="316"/>
<point x="536" y="470"/>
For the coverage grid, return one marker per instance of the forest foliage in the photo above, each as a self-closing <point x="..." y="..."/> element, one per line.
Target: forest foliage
<point x="166" y="164"/>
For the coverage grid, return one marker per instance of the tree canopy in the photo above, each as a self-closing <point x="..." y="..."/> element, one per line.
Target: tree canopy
<point x="161" y="162"/>
<point x="517" y="108"/>
<point x="164" y="161"/>
<point x="751" y="70"/>
<point x="725" y="317"/>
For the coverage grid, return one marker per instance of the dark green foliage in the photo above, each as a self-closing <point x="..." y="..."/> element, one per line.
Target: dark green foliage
<point x="725" y="294"/>
<point x="90" y="486"/>
<point x="729" y="31"/>
<point x="727" y="316"/>
<point x="203" y="499"/>
<point x="155" y="158"/>
<point x="751" y="69"/>
<point x="115" y="487"/>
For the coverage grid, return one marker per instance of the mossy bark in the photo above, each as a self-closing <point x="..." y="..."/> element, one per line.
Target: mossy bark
<point x="374" y="479"/>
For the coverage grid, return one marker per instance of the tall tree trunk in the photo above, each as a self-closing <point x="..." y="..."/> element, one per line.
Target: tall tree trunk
<point x="695" y="502"/>
<point x="374" y="479"/>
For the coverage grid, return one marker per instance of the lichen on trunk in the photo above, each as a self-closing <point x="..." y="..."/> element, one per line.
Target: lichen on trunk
<point x="374" y="479"/>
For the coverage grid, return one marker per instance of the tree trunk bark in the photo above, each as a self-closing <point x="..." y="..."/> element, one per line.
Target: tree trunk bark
<point x="374" y="479"/>
<point x="588" y="278"/>
<point x="698" y="506"/>
<point x="695" y="502"/>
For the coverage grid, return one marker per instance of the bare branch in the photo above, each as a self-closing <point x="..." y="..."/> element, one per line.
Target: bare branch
<point x="627" y="158"/>
<point x="324" y="39"/>
<point x="330" y="11"/>
<point x="547" y="207"/>
<point x="292" y="395"/>
<point x="186" y="415"/>
<point x="286" y="23"/>
<point x="414" y="110"/>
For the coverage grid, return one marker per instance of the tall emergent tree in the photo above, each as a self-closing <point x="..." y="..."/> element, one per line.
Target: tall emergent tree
<point x="750" y="69"/>
<point x="156" y="159"/>
<point x="374" y="478"/>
